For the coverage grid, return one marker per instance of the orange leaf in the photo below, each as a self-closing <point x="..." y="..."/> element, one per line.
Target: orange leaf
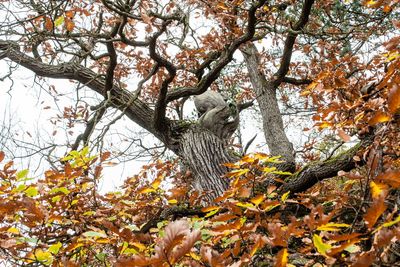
<point x="375" y="211"/>
<point x="394" y="99"/>
<point x="48" y="24"/>
<point x="69" y="14"/>
<point x="2" y="155"/>
<point x="282" y="258"/>
<point x="69" y="25"/>
<point x="211" y="208"/>
<point x="379" y="117"/>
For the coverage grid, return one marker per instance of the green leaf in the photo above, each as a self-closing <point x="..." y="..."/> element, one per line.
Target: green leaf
<point x="22" y="174"/>
<point x="59" y="21"/>
<point x="55" y="199"/>
<point x="211" y="213"/>
<point x="55" y="248"/>
<point x="19" y="188"/>
<point x="320" y="245"/>
<point x="101" y="256"/>
<point x="63" y="190"/>
<point x="31" y="191"/>
<point x="388" y="224"/>
<point x="94" y="234"/>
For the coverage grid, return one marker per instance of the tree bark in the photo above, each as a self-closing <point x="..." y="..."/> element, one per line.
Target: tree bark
<point x="205" y="154"/>
<point x="277" y="141"/>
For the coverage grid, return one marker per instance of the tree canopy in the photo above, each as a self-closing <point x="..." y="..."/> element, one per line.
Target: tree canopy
<point x="328" y="68"/>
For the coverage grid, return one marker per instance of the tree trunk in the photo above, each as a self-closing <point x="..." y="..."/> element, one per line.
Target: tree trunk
<point x="205" y="154"/>
<point x="278" y="143"/>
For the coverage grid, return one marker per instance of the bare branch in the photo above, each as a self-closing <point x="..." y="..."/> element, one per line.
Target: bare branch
<point x="223" y="60"/>
<point x="290" y="40"/>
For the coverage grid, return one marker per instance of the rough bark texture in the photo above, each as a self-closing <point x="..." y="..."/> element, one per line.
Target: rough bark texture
<point x="278" y="143"/>
<point x="318" y="171"/>
<point x="205" y="154"/>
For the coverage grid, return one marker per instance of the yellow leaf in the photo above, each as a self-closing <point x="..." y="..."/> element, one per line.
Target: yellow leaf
<point x="378" y="189"/>
<point x="245" y="205"/>
<point x="282" y="258"/>
<point x="43" y="256"/>
<point x="55" y="248"/>
<point x="320" y="245"/>
<point x="285" y="196"/>
<point x="146" y="190"/>
<point x="172" y="201"/>
<point x="195" y="256"/>
<point x="388" y="224"/>
<point x="13" y="230"/>
<point x="332" y="227"/>
<point x="139" y="245"/>
<point x="31" y="191"/>
<point x="258" y="199"/>
<point x="268" y="169"/>
<point x="237" y="173"/>
<point x="156" y="183"/>
<point x="222" y="5"/>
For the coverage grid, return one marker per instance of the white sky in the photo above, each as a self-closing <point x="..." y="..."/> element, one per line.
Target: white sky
<point x="24" y="104"/>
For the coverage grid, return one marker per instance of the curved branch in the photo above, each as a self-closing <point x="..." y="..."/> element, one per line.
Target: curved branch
<point x="290" y="40"/>
<point x="134" y="108"/>
<point x="315" y="172"/>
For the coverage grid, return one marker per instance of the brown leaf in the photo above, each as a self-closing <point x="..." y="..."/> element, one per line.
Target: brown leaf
<point x="364" y="259"/>
<point x="8" y="243"/>
<point x="175" y="233"/>
<point x="394" y="99"/>
<point x="212" y="257"/>
<point x="277" y="235"/>
<point x="48" y="24"/>
<point x="375" y="211"/>
<point x="384" y="237"/>
<point x="343" y="135"/>
<point x="2" y="155"/>
<point x="379" y="117"/>
<point x="186" y="246"/>
<point x="391" y="177"/>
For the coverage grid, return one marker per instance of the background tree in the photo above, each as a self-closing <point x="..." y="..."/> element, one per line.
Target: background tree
<point x="145" y="59"/>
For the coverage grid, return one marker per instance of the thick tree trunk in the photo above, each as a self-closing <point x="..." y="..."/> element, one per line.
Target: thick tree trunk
<point x="278" y="143"/>
<point x="205" y="154"/>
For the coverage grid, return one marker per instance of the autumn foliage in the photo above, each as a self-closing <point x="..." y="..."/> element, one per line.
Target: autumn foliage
<point x="340" y="206"/>
<point x="61" y="220"/>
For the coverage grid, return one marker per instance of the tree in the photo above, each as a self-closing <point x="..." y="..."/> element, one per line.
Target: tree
<point x="319" y="59"/>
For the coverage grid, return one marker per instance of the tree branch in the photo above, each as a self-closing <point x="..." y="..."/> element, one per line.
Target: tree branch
<point x="295" y="81"/>
<point x="223" y="60"/>
<point x="316" y="172"/>
<point x="161" y="104"/>
<point x="134" y="108"/>
<point x="290" y="40"/>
